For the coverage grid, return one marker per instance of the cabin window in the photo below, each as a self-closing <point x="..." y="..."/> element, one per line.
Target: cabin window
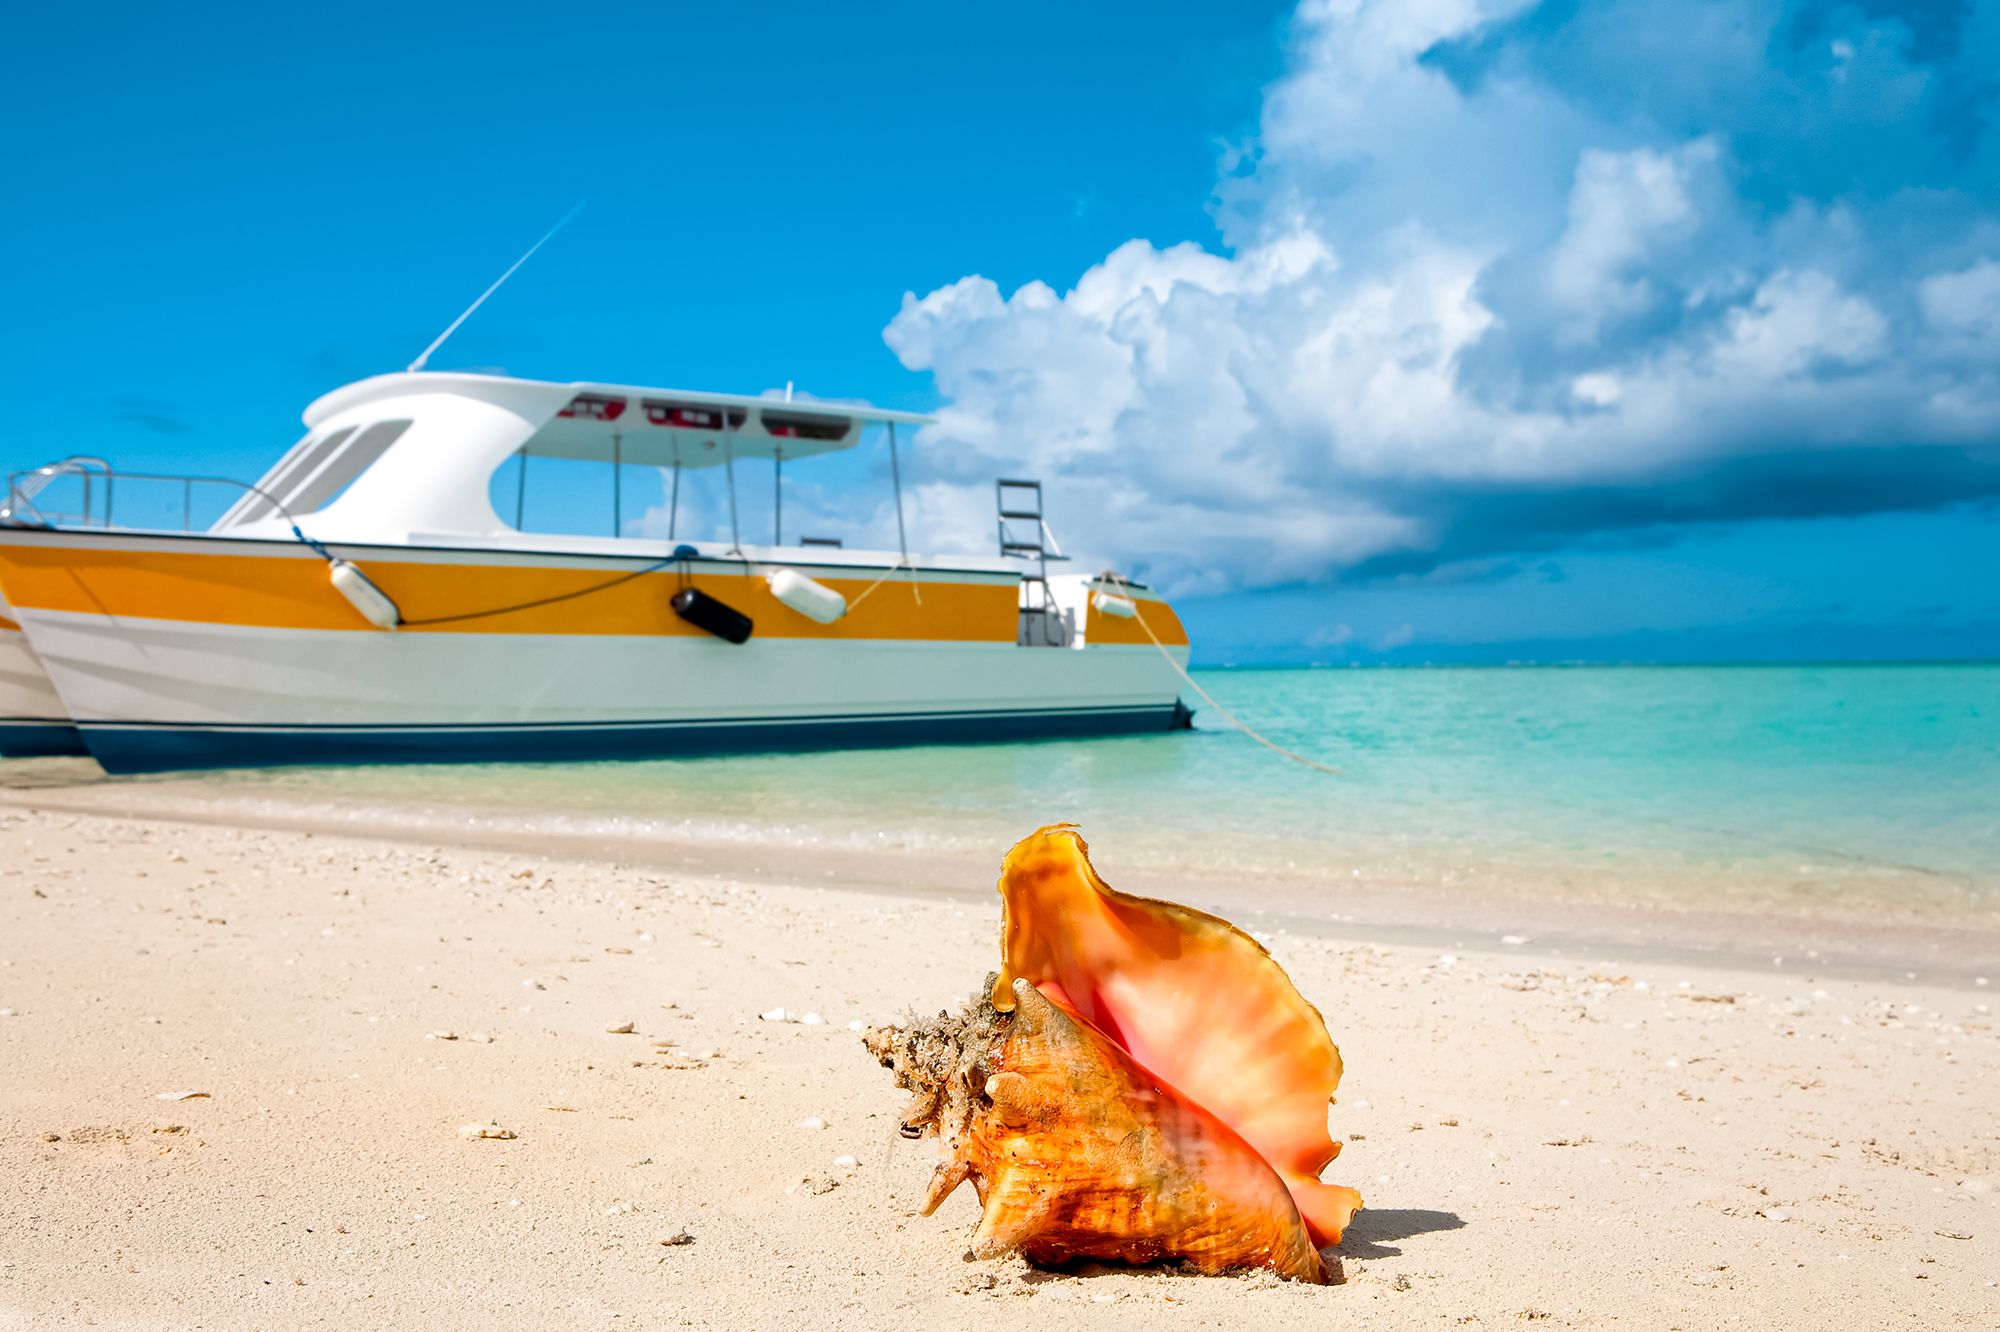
<point x="694" y="415"/>
<point x="802" y="425"/>
<point x="553" y="495"/>
<point x="560" y="496"/>
<point x="320" y="488"/>
<point x="304" y="458"/>
<point x="593" y="407"/>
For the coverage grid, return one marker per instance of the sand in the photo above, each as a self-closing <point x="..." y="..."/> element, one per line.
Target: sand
<point x="1561" y="1140"/>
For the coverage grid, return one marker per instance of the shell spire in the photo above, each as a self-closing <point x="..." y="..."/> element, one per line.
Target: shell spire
<point x="1076" y="1151"/>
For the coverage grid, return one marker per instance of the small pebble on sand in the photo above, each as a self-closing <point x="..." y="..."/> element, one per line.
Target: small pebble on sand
<point x="181" y="1096"/>
<point x="678" y="1238"/>
<point x="620" y="1028"/>
<point x="1777" y="1214"/>
<point x="480" y="1038"/>
<point x="442" y="1036"/>
<point x="812" y="1122"/>
<point x="774" y="1015"/>
<point x="487" y="1130"/>
<point x="845" y="1163"/>
<point x="813" y="1020"/>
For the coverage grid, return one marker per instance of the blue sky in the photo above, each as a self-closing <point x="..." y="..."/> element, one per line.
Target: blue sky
<point x="1427" y="330"/>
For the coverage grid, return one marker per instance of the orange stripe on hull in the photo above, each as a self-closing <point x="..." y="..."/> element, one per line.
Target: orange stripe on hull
<point x="290" y="592"/>
<point x="1100" y="629"/>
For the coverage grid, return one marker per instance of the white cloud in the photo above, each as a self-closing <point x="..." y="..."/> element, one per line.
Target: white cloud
<point x="1449" y="295"/>
<point x="1625" y="207"/>
<point x="1967" y="301"/>
<point x="1795" y="320"/>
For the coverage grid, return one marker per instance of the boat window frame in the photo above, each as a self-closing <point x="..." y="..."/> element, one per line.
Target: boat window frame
<point x="365" y="446"/>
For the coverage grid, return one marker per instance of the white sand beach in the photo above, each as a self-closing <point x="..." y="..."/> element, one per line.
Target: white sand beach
<point x="241" y="1067"/>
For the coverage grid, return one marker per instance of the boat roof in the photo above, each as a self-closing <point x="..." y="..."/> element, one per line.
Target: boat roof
<point x="654" y="425"/>
<point x="416" y="451"/>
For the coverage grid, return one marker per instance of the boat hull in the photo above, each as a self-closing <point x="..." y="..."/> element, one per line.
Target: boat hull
<point x="33" y="721"/>
<point x="189" y="653"/>
<point x="161" y="748"/>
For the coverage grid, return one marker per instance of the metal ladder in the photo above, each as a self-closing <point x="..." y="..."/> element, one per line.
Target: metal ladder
<point x="1017" y="502"/>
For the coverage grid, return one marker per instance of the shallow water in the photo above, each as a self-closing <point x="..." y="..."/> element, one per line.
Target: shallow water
<point x="1800" y="784"/>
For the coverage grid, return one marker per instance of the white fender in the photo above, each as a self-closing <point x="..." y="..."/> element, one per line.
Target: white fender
<point x="1110" y="603"/>
<point x="815" y="601"/>
<point x="370" y="600"/>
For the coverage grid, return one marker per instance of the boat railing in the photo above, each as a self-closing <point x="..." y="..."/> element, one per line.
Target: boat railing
<point x="99" y="486"/>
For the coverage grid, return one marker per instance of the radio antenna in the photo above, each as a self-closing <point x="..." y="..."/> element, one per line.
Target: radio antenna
<point x="418" y="364"/>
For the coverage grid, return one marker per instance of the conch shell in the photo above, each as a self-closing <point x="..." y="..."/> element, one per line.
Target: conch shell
<point x="1194" y="999"/>
<point x="1140" y="1082"/>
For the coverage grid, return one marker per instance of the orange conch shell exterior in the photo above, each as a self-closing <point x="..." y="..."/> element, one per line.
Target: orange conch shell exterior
<point x="1085" y="1154"/>
<point x="1191" y="998"/>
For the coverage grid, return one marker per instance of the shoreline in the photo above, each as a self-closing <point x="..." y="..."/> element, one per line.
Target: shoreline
<point x="1807" y="936"/>
<point x="1775" y="1150"/>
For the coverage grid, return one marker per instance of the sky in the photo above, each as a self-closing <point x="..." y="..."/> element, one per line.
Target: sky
<point x="1425" y="330"/>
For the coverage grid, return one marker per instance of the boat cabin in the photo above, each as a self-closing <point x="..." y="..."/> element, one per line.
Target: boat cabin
<point x="412" y="457"/>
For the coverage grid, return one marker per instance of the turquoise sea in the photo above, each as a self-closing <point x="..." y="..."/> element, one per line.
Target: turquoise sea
<point x="1858" y="782"/>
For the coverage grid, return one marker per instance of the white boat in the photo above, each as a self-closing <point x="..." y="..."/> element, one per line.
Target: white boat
<point x="366" y="601"/>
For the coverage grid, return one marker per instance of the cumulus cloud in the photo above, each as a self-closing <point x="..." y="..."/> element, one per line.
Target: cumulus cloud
<point x="1496" y="277"/>
<point x="1964" y="302"/>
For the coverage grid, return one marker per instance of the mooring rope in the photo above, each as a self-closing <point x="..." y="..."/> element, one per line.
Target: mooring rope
<point x="605" y="586"/>
<point x="887" y="574"/>
<point x="1206" y="697"/>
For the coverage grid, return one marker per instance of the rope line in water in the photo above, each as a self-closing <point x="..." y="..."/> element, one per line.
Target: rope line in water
<point x="1761" y="839"/>
<point x="1713" y="830"/>
<point x="1206" y="697"/>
